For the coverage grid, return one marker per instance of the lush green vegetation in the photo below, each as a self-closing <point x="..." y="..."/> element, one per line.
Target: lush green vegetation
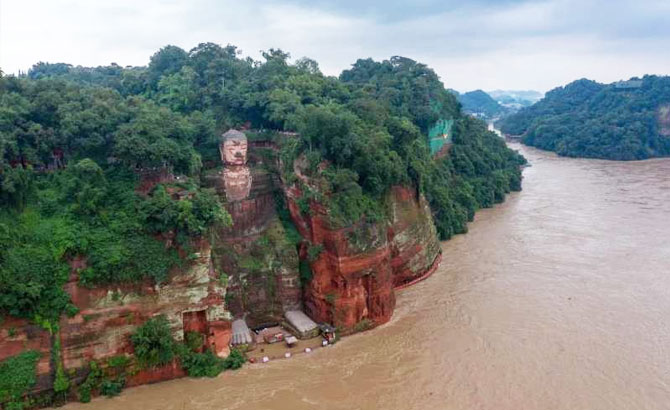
<point x="70" y="155"/>
<point x="74" y="142"/>
<point x="108" y="380"/>
<point x="92" y="381"/>
<point x="154" y="345"/>
<point x="477" y="174"/>
<point x="17" y="376"/>
<point x="409" y="97"/>
<point x="622" y="121"/>
<point x="207" y="364"/>
<point x="77" y="146"/>
<point x="480" y="103"/>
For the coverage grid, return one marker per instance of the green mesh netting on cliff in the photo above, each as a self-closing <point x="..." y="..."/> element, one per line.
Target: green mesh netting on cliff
<point x="439" y="134"/>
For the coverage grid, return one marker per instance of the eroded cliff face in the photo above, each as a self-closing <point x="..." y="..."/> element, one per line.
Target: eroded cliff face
<point x="249" y="270"/>
<point x="415" y="250"/>
<point x="192" y="299"/>
<point x="354" y="275"/>
<point x="20" y="335"/>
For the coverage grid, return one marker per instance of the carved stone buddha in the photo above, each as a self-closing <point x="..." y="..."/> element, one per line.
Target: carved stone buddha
<point x="236" y="175"/>
<point x="233" y="148"/>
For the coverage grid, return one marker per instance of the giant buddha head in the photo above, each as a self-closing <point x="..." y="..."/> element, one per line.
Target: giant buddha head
<point x="233" y="148"/>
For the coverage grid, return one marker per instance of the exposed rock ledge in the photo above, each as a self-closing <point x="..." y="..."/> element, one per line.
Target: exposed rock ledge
<point x="355" y="274"/>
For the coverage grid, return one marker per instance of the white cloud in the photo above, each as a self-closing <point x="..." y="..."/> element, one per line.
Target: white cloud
<point x="520" y="45"/>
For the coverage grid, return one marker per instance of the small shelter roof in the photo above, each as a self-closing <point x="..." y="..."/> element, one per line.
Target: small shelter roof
<point x="241" y="333"/>
<point x="300" y="321"/>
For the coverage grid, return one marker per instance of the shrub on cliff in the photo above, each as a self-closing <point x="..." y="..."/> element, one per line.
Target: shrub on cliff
<point x="205" y="364"/>
<point x="235" y="360"/>
<point x="155" y="346"/>
<point x="17" y="376"/>
<point x="191" y="216"/>
<point x="153" y="343"/>
<point x="107" y="380"/>
<point x="111" y="388"/>
<point x="33" y="270"/>
<point x="92" y="382"/>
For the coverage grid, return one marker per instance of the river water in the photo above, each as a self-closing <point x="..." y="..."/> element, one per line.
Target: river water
<point x="557" y="299"/>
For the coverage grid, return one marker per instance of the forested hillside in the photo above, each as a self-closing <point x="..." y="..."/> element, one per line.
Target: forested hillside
<point x="622" y="121"/>
<point x="480" y="103"/>
<point x="75" y="142"/>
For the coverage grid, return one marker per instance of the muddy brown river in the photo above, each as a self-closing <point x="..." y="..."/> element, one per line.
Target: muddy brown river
<point x="557" y="299"/>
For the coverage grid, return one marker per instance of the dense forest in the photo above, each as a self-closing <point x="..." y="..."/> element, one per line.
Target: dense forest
<point x="74" y="142"/>
<point x="482" y="104"/>
<point x="626" y="120"/>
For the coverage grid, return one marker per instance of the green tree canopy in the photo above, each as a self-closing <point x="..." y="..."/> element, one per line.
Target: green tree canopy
<point x="618" y="121"/>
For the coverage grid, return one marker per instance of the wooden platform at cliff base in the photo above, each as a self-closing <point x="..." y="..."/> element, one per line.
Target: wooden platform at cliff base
<point x="433" y="268"/>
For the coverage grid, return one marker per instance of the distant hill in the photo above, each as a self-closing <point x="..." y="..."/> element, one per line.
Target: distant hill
<point x="516" y="99"/>
<point x="480" y="104"/>
<point x="625" y="120"/>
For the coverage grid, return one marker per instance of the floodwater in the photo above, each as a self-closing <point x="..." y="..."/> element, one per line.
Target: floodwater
<point x="557" y="299"/>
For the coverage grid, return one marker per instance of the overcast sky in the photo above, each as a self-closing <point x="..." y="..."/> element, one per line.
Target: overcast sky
<point x="487" y="44"/>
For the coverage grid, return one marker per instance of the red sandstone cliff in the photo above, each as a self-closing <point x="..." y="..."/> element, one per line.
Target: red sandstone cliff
<point x="192" y="300"/>
<point x="355" y="274"/>
<point x="250" y="270"/>
<point x="415" y="250"/>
